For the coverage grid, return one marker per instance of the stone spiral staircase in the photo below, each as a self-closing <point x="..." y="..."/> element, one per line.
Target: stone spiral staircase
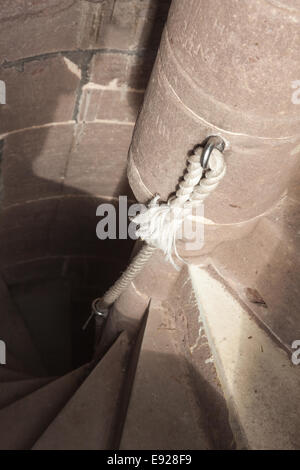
<point x="207" y="363"/>
<point x="52" y="264"/>
<point x="36" y="395"/>
<point x="39" y="386"/>
<point x="45" y="401"/>
<point x="113" y="392"/>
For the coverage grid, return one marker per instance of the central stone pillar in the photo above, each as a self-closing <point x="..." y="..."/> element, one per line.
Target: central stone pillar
<point x="228" y="68"/>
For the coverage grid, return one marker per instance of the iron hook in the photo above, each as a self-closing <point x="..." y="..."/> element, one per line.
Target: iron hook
<point x="211" y="143"/>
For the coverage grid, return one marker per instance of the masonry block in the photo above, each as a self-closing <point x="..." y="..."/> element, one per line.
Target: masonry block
<point x="79" y="24"/>
<point x="116" y="87"/>
<point x="125" y="24"/>
<point x="117" y="106"/>
<point x="31" y="28"/>
<point x="122" y="69"/>
<point x="98" y="162"/>
<point x="42" y="91"/>
<point x="34" y="163"/>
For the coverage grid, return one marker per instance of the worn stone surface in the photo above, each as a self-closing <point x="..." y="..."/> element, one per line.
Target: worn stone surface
<point x="23" y="421"/>
<point x="185" y="103"/>
<point x="34" y="163"/>
<point x="124" y="70"/>
<point x="160" y="390"/>
<point x="98" y="162"/>
<point x="157" y="278"/>
<point x="27" y="27"/>
<point x="245" y="46"/>
<point x="116" y="87"/>
<point x="259" y="380"/>
<point x="253" y="245"/>
<point x="192" y="336"/>
<point x="125" y="24"/>
<point x="42" y="91"/>
<point x="13" y="391"/>
<point x="267" y="260"/>
<point x="126" y="314"/>
<point x="49" y="162"/>
<point x="118" y="106"/>
<point x="95" y="406"/>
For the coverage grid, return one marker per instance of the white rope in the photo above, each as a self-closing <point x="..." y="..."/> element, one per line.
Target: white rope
<point x="217" y="171"/>
<point x="159" y="224"/>
<point x="133" y="269"/>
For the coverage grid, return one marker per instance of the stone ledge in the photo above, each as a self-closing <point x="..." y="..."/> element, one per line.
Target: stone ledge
<point x="259" y="380"/>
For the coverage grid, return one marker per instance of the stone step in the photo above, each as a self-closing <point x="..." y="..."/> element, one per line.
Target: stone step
<point x="13" y="391"/>
<point x="264" y="270"/>
<point x="163" y="412"/>
<point x="126" y="314"/>
<point x="22" y="422"/>
<point x="260" y="382"/>
<point x="137" y="341"/>
<point x="21" y="352"/>
<point x="94" y="407"/>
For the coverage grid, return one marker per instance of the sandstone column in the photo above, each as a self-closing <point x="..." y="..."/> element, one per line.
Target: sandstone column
<point x="224" y="67"/>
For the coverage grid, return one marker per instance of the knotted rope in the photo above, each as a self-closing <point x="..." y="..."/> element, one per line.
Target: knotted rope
<point x="159" y="223"/>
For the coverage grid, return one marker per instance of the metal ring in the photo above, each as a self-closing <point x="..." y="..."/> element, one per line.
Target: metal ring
<point x="212" y="142"/>
<point x="102" y="312"/>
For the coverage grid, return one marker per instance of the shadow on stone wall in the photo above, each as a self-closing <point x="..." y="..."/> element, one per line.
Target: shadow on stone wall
<point x="57" y="169"/>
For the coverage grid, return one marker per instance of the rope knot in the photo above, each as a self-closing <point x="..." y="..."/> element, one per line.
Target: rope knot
<point x="159" y="224"/>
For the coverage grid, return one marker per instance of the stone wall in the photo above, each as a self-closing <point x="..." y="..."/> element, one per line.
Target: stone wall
<point x="75" y="73"/>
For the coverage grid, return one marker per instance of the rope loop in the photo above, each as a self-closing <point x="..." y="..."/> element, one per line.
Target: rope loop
<point x="160" y="223"/>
